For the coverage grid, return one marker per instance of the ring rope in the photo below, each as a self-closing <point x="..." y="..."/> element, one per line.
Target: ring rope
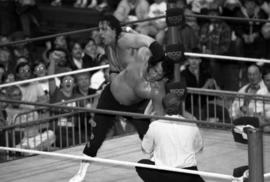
<point x="231" y="58"/>
<point x="54" y="76"/>
<point x="122" y="113"/>
<point x="117" y="162"/>
<point x="129" y="23"/>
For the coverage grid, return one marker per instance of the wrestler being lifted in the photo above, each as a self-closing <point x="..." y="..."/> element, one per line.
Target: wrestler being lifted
<point x="142" y="78"/>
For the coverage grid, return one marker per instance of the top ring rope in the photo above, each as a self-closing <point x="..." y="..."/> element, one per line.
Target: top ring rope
<point x="122" y="163"/>
<point x="133" y="22"/>
<point x="230" y="58"/>
<point x="53" y="76"/>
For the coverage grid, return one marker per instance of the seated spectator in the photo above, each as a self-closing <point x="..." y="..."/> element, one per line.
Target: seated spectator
<point x="197" y="75"/>
<point x="76" y="55"/>
<point x="82" y="87"/>
<point x="6" y="118"/>
<point x="215" y="35"/>
<point x="91" y="55"/>
<point x="248" y="106"/>
<point x="32" y="137"/>
<point x="64" y="93"/>
<point x="131" y="10"/>
<point x="40" y="70"/>
<point x="215" y="38"/>
<point x="191" y="21"/>
<point x="31" y="92"/>
<point x="98" y="40"/>
<point x="155" y="28"/>
<point x="100" y="78"/>
<point x="250" y="42"/>
<point x="6" y="59"/>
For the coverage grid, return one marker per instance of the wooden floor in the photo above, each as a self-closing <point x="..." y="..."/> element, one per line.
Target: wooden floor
<point x="220" y="155"/>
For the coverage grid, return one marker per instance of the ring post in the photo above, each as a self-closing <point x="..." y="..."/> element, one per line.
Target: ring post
<point x="255" y="154"/>
<point x="173" y="20"/>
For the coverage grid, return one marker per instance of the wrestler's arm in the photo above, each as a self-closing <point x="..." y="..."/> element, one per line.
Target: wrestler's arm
<point x="135" y="41"/>
<point x="155" y="92"/>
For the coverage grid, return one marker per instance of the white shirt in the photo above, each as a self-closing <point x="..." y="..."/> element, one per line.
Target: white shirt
<point x="31" y="92"/>
<point x="172" y="143"/>
<point x="78" y="63"/>
<point x="254" y="106"/>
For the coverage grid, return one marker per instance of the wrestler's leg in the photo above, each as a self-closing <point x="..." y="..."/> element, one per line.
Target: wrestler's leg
<point x="102" y="123"/>
<point x="99" y="131"/>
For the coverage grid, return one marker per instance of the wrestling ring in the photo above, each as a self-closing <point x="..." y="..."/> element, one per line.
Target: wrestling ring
<point x="117" y="156"/>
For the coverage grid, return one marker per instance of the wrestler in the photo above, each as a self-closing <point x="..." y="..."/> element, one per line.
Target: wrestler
<point x="139" y="81"/>
<point x="122" y="47"/>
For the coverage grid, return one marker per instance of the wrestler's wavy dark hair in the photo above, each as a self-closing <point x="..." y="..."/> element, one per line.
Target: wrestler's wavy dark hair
<point x="113" y="22"/>
<point x="167" y="66"/>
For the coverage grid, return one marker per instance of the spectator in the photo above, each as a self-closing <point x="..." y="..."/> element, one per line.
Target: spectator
<point x="14" y="110"/>
<point x="6" y="59"/>
<point x="40" y="70"/>
<point x="250" y="42"/>
<point x="215" y="38"/>
<point x="131" y="10"/>
<point x="155" y="28"/>
<point x="215" y="35"/>
<point x="248" y="106"/>
<point x="82" y="87"/>
<point x="197" y="75"/>
<point x="91" y="54"/>
<point x="76" y="55"/>
<point x="31" y="92"/>
<point x="64" y="93"/>
<point x="171" y="144"/>
<point x="29" y="16"/>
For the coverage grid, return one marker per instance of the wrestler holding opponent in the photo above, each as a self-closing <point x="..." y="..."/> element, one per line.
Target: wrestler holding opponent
<point x="139" y="81"/>
<point x="123" y="48"/>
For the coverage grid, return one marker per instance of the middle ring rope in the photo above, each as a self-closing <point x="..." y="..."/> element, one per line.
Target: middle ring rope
<point x="122" y="163"/>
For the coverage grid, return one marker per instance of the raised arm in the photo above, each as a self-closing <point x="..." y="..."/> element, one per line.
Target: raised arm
<point x="154" y="91"/>
<point x="51" y="71"/>
<point x="136" y="41"/>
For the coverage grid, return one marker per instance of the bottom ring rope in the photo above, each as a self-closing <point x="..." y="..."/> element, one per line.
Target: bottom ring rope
<point x="122" y="163"/>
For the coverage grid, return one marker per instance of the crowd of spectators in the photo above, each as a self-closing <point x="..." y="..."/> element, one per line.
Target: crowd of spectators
<point x="64" y="53"/>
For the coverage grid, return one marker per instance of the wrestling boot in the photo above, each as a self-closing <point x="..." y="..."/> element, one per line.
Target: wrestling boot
<point x="80" y="175"/>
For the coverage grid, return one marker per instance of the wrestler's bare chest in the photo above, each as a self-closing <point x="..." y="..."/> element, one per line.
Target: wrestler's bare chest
<point x="125" y="87"/>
